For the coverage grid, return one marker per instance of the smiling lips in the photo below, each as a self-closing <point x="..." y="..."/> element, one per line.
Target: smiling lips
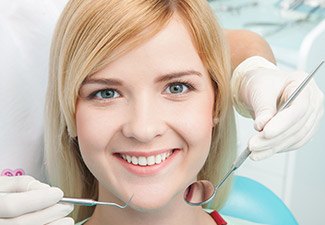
<point x="147" y="160"/>
<point x="147" y="163"/>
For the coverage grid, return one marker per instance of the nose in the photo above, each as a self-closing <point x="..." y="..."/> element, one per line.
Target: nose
<point x="145" y="121"/>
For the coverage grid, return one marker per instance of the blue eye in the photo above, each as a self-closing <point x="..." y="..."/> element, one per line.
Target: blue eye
<point x="177" y="88"/>
<point x="106" y="94"/>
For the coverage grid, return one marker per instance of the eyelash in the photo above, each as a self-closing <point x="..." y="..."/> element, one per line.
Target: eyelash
<point x="93" y="95"/>
<point x="187" y="84"/>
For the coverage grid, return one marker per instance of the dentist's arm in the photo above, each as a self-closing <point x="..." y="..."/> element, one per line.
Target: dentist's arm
<point x="244" y="44"/>
<point x="257" y="87"/>
<point x="27" y="201"/>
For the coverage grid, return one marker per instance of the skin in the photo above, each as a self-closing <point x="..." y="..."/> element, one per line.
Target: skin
<point x="244" y="44"/>
<point x="154" y="98"/>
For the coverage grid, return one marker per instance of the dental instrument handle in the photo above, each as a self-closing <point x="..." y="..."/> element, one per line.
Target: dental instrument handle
<point x="244" y="155"/>
<point x="91" y="202"/>
<point x="77" y="201"/>
<point x="241" y="158"/>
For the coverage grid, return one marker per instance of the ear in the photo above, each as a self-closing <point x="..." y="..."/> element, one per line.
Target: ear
<point x="215" y="121"/>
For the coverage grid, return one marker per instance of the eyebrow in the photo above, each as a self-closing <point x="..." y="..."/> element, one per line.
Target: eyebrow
<point x="173" y="75"/>
<point x="162" y="78"/>
<point x="103" y="81"/>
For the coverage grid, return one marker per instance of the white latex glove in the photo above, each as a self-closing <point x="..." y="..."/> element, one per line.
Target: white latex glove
<point x="257" y="87"/>
<point x="27" y="201"/>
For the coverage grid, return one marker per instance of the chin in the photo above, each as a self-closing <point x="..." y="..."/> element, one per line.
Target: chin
<point x="150" y="204"/>
<point x="154" y="199"/>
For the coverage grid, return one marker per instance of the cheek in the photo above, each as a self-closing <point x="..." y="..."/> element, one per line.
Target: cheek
<point x="197" y="121"/>
<point x="195" y="127"/>
<point x="200" y="122"/>
<point x="93" y="130"/>
<point x="86" y="132"/>
<point x="194" y="124"/>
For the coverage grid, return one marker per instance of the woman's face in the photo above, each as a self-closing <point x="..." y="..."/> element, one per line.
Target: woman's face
<point x="144" y="122"/>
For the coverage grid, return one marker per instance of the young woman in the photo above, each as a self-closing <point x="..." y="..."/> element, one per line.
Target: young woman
<point x="44" y="209"/>
<point x="139" y="104"/>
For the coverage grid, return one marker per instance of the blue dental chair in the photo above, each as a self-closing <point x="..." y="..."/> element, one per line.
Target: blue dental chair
<point x="252" y="201"/>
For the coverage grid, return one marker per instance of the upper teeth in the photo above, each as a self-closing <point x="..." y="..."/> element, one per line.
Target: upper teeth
<point x="144" y="161"/>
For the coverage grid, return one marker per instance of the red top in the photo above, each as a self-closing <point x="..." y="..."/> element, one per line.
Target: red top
<point x="217" y="218"/>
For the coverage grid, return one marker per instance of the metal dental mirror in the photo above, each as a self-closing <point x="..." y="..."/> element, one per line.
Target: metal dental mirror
<point x="203" y="191"/>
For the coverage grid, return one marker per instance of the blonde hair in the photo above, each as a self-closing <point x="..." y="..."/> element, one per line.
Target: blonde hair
<point x="91" y="34"/>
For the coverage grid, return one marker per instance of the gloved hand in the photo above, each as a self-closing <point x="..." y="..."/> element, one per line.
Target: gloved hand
<point x="258" y="87"/>
<point x="27" y="201"/>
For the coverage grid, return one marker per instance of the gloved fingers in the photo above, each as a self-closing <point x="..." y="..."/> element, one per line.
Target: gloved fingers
<point x="287" y="142"/>
<point x="264" y="100"/>
<point x="266" y="153"/>
<point x="257" y="89"/>
<point x="304" y="139"/>
<point x="63" y="221"/>
<point x="261" y="143"/>
<point x="298" y="133"/>
<point x="263" y="117"/>
<point x="263" y="104"/>
<point x="17" y="204"/>
<point x="289" y="86"/>
<point x="291" y="142"/>
<point x="40" y="217"/>
<point x="264" y="109"/>
<point x="20" y="184"/>
<point x="303" y="131"/>
<point x="287" y="118"/>
<point x="310" y="100"/>
<point x="306" y="135"/>
<point x="259" y="155"/>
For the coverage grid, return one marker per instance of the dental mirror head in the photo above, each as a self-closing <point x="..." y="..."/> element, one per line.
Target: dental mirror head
<point x="199" y="193"/>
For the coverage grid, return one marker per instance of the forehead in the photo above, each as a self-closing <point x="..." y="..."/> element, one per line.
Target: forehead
<point x="169" y="50"/>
